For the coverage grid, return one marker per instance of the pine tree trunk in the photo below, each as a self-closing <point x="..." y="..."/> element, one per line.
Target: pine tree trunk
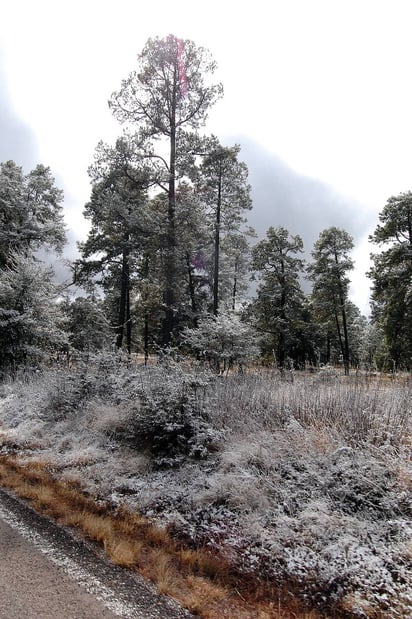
<point x="191" y="288"/>
<point x="217" y="247"/>
<point x="124" y="285"/>
<point x="345" y="344"/>
<point x="146" y="338"/>
<point x="128" y="316"/>
<point x="234" y="292"/>
<point x="169" y="297"/>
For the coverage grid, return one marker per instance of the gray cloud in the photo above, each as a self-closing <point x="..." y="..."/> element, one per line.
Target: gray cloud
<point x="302" y="205"/>
<point x="17" y="140"/>
<point x="18" y="143"/>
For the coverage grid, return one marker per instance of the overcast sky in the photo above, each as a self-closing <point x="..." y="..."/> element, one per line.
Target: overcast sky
<point x="317" y="92"/>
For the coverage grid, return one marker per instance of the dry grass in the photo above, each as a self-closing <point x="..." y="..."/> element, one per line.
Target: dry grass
<point x="125" y="552"/>
<point x="98" y="528"/>
<point x="164" y="576"/>
<point x="205" y="595"/>
<point x="285" y="444"/>
<point x="202" y="583"/>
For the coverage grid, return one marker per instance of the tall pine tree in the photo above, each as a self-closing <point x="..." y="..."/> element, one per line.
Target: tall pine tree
<point x="164" y="98"/>
<point x="391" y="276"/>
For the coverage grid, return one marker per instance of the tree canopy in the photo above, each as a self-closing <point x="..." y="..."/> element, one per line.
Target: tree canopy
<point x="167" y="95"/>
<point x="278" y="307"/>
<point x="391" y="276"/>
<point x="30" y="211"/>
<point x="329" y="273"/>
<point x="31" y="218"/>
<point x="32" y="323"/>
<point x="168" y="261"/>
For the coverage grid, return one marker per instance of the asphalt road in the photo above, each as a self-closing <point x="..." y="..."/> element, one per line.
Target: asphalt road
<point x="47" y="573"/>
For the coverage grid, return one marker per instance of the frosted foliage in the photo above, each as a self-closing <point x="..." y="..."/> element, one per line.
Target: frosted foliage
<point x="223" y="341"/>
<point x="306" y="483"/>
<point x="31" y="320"/>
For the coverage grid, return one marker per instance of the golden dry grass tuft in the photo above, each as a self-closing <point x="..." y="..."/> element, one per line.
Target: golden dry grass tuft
<point x="97" y="528"/>
<point x="163" y="572"/>
<point x="157" y="536"/>
<point x="204" y="595"/>
<point x="211" y="566"/>
<point x="199" y="581"/>
<point x="125" y="552"/>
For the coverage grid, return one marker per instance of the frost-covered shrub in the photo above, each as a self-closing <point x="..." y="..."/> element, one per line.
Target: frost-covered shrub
<point x="311" y="488"/>
<point x="93" y="377"/>
<point x="31" y="321"/>
<point x="325" y="519"/>
<point x="65" y="394"/>
<point x="169" y="417"/>
<point x="223" y="341"/>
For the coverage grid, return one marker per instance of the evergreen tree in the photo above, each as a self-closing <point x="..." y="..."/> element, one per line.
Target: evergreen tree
<point x="328" y="271"/>
<point x="193" y="244"/>
<point x="32" y="324"/>
<point x="357" y="332"/>
<point x="30" y="211"/>
<point x="163" y="99"/>
<point x="119" y="216"/>
<point x="391" y="275"/>
<point x="222" y="185"/>
<point x="279" y="306"/>
<point x="235" y="270"/>
<point x="87" y="326"/>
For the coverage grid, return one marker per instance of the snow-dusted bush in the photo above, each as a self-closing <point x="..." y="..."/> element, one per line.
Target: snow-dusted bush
<point x="310" y="488"/>
<point x="223" y="341"/>
<point x="169" y="417"/>
<point x="160" y="410"/>
<point x="94" y="377"/>
<point x="328" y="520"/>
<point x="31" y="319"/>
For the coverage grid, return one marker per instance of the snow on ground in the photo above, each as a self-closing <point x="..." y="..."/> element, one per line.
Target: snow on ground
<point x="305" y="481"/>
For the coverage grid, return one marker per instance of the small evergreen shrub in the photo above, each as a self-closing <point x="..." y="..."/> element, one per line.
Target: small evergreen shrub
<point x="170" y="418"/>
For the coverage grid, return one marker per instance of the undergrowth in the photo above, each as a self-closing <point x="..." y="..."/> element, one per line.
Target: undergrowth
<point x="205" y="585"/>
<point x="302" y="482"/>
